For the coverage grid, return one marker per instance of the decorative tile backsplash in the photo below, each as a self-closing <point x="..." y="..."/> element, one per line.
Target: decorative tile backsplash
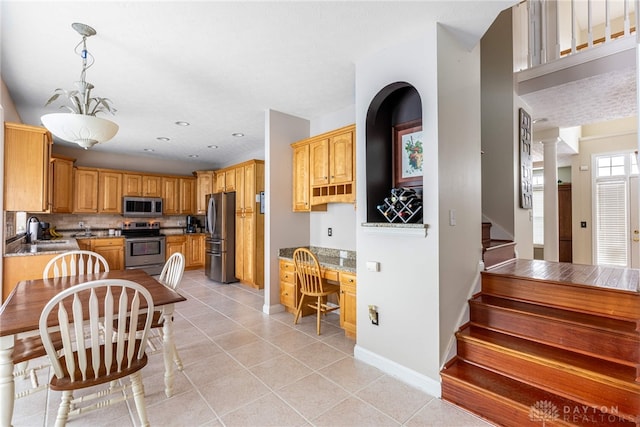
<point x="69" y="223"/>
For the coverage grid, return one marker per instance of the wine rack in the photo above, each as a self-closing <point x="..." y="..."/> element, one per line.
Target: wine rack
<point x="403" y="205"/>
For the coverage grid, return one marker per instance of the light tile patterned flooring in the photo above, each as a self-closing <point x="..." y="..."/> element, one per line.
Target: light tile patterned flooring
<point x="245" y="368"/>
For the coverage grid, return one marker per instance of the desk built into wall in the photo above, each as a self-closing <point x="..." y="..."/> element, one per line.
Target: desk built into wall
<point x="334" y="269"/>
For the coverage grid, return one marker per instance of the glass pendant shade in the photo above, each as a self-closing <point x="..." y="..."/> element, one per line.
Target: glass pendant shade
<point x="81" y="129"/>
<point x="81" y="126"/>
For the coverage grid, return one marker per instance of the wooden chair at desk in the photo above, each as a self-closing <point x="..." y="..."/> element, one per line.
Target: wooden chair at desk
<point x="312" y="284"/>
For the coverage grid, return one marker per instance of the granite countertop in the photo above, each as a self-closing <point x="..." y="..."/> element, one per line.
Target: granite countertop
<point x="327" y="257"/>
<point x="41" y="247"/>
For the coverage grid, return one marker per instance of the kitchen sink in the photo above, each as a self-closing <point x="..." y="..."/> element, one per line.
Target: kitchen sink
<point x="44" y="246"/>
<point x="52" y="242"/>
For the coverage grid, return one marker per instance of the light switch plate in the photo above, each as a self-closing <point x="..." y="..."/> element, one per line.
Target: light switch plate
<point x="373" y="266"/>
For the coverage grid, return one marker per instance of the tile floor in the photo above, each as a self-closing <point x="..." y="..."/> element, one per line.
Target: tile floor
<point x="245" y="368"/>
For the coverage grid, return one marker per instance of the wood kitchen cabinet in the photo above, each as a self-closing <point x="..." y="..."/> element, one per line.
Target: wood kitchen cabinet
<point x="249" y="181"/>
<point x="348" y="303"/>
<point x="61" y="184"/>
<point x="111" y="248"/>
<point x="132" y="185"/>
<point x="109" y="192"/>
<point x="331" y="159"/>
<point x="176" y="243"/>
<point x="324" y="170"/>
<point x="97" y="191"/>
<point x="178" y="195"/>
<point x="288" y="288"/>
<point x="151" y="186"/>
<point x="171" y="195"/>
<point x="85" y="192"/>
<point x="205" y="184"/>
<point x="225" y="180"/>
<point x="18" y="268"/>
<point x="27" y="155"/>
<point x="195" y="251"/>
<point x="141" y="185"/>
<point x="187" y="196"/>
<point x="189" y="245"/>
<point x="301" y="180"/>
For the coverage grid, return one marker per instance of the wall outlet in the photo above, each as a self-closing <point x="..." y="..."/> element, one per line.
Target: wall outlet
<point x="179" y="223"/>
<point x="343" y="254"/>
<point x="329" y="231"/>
<point x="81" y="224"/>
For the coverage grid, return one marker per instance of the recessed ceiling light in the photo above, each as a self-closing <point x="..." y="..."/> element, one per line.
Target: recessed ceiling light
<point x="150" y="150"/>
<point x="212" y="146"/>
<point x="237" y="134"/>
<point x="193" y="156"/>
<point x="163" y="138"/>
<point x="180" y="123"/>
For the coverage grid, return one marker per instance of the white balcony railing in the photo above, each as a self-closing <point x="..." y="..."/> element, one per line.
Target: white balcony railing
<point x="546" y="30"/>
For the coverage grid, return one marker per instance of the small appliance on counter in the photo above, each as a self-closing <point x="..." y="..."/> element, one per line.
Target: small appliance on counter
<point x="192" y="224"/>
<point x="33" y="229"/>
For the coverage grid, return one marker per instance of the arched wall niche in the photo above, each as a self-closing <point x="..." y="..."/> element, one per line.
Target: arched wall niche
<point x="396" y="103"/>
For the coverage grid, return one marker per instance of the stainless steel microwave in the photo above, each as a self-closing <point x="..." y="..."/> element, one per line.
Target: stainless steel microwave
<point x="141" y="206"/>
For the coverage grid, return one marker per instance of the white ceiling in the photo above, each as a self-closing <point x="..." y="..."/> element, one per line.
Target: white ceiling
<point x="221" y="65"/>
<point x="217" y="65"/>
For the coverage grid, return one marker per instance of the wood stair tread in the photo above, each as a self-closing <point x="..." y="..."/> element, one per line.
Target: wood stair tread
<point x="604" y="370"/>
<point x="520" y="396"/>
<point x="566" y="316"/>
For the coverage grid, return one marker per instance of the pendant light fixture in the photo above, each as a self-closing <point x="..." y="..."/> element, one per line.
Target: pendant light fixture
<point x="80" y="125"/>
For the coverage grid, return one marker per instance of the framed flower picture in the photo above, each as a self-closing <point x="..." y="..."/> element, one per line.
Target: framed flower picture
<point x="407" y="154"/>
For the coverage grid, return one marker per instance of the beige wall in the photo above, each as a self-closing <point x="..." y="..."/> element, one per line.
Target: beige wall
<point x="607" y="137"/>
<point x="10" y="112"/>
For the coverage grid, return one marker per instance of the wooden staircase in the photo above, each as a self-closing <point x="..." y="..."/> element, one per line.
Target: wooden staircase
<point x="495" y="252"/>
<point x="541" y="348"/>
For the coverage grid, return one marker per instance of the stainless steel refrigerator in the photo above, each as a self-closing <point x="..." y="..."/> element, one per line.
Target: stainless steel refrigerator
<point x="220" y="226"/>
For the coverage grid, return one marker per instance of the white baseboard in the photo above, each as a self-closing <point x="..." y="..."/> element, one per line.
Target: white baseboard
<point x="404" y="374"/>
<point x="271" y="309"/>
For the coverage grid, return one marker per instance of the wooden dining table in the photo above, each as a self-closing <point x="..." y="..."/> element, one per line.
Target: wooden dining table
<point x="20" y="314"/>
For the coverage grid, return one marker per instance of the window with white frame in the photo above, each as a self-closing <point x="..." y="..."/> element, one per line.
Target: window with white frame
<point x="611" y="207"/>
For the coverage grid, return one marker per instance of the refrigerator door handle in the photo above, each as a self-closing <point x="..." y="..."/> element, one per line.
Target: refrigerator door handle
<point x="211" y="215"/>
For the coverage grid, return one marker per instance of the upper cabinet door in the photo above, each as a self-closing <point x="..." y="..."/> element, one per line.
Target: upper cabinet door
<point x="171" y="195"/>
<point x="110" y="192"/>
<point x="85" y="191"/>
<point x="131" y="185"/>
<point x="151" y="186"/>
<point x="319" y="162"/>
<point x="301" y="191"/>
<point x="62" y="185"/>
<point x="341" y="164"/>
<point x="27" y="156"/>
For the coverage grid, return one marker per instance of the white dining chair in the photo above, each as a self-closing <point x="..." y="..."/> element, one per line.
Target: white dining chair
<point x="74" y="263"/>
<point x="70" y="263"/>
<point x="79" y="313"/>
<point x="170" y="276"/>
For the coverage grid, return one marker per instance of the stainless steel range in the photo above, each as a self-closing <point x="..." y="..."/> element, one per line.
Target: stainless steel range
<point x="144" y="246"/>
